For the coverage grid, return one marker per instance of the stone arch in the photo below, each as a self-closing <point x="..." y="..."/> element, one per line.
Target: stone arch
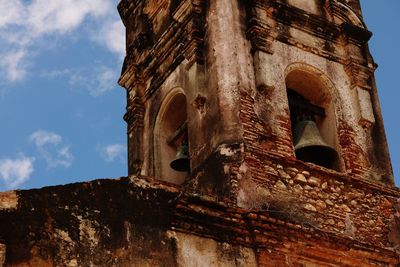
<point x="345" y="13"/>
<point x="171" y="116"/>
<point x="319" y="90"/>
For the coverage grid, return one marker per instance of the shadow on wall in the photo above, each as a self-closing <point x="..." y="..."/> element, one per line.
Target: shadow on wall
<point x="170" y="137"/>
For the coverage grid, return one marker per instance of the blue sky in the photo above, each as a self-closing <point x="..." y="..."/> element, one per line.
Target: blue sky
<point x="61" y="108"/>
<point x="382" y="18"/>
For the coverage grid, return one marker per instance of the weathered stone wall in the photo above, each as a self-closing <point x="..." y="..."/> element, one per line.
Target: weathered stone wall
<point x="137" y="222"/>
<point x="123" y="222"/>
<point x="165" y="53"/>
<point x="232" y="59"/>
<point x="284" y="36"/>
<point x="328" y="201"/>
<point x="236" y="91"/>
<point x="101" y="223"/>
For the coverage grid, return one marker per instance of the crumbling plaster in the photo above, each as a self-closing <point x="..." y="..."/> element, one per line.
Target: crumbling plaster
<point x="136" y="221"/>
<point x="196" y="251"/>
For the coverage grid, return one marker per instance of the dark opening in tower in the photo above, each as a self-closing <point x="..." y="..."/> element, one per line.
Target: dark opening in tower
<point x="308" y="143"/>
<point x="312" y="118"/>
<point x="171" y="140"/>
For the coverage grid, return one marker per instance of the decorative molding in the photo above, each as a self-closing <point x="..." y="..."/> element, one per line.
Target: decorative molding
<point x="271" y="20"/>
<point x="182" y="40"/>
<point x="355" y="34"/>
<point x="358" y="73"/>
<point x="135" y="113"/>
<point x="126" y="8"/>
<point x="259" y="34"/>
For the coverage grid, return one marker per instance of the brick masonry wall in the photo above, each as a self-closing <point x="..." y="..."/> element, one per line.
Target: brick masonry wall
<point x="134" y="220"/>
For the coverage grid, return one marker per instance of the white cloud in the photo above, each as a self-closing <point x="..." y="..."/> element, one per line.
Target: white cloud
<point x="97" y="81"/>
<point x="62" y="15"/>
<point x="51" y="149"/>
<point x="106" y="80"/>
<point x="10" y="12"/>
<point x="64" y="157"/>
<point x="114" y="152"/>
<point x="13" y="65"/>
<point x="27" y="28"/>
<point x="41" y="138"/>
<point x="112" y="36"/>
<point x="15" y="172"/>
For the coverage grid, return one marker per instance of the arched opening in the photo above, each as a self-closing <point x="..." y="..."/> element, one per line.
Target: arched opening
<point x="170" y="137"/>
<point x="346" y="14"/>
<point x="313" y="120"/>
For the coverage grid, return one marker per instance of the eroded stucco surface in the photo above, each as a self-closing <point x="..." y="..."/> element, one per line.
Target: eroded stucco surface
<point x="138" y="222"/>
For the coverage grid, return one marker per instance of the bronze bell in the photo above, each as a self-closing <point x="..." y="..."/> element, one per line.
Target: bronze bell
<point x="310" y="147"/>
<point x="181" y="162"/>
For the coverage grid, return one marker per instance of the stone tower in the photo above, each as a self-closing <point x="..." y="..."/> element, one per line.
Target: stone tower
<point x="286" y="161"/>
<point x="235" y="76"/>
<point x="234" y="79"/>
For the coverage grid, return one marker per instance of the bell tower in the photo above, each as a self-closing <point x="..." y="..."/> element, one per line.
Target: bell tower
<point x="231" y="86"/>
<point x="267" y="106"/>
